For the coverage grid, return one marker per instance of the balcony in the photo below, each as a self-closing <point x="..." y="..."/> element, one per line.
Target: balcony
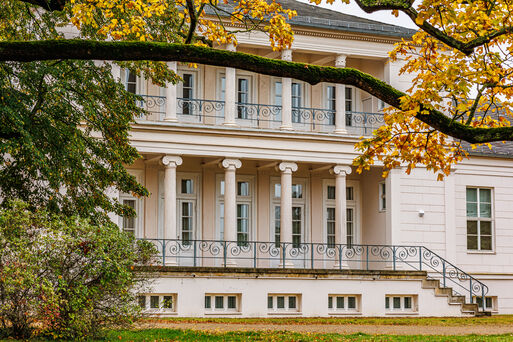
<point x="318" y="256"/>
<point x="257" y="115"/>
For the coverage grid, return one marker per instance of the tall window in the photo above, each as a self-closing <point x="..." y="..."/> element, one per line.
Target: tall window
<point x="130" y="222"/>
<point x="382" y="191"/>
<point x="479" y="219"/>
<point x="331" y="103"/>
<point x="131" y="82"/>
<point x="329" y="213"/>
<point x="242" y="98"/>
<point x="298" y="211"/>
<point x="187" y="93"/>
<point x="349" y="106"/>
<point x="296" y="102"/>
<point x="244" y="188"/>
<point x="187" y="199"/>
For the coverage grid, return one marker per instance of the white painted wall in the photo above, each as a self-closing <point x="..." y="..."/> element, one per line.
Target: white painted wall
<point x="191" y="290"/>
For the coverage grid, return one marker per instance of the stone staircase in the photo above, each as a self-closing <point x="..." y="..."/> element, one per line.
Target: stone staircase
<point x="467" y="309"/>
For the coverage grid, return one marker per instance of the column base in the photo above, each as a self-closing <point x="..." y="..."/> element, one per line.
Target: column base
<point x="170" y="119"/>
<point x="344" y="266"/>
<point x="340" y="131"/>
<point x="171" y="262"/>
<point x="230" y="124"/>
<point x="288" y="264"/>
<point x="230" y="263"/>
<point x="286" y="128"/>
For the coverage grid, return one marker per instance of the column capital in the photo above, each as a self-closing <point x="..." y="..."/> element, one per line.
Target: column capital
<point x="340" y="61"/>
<point x="231" y="164"/>
<point x="286" y="55"/>
<point x="171" y="161"/>
<point x="287" y="167"/>
<point x="341" y="170"/>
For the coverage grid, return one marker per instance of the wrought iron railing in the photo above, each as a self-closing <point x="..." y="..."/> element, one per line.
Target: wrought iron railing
<point x="154" y="105"/>
<point x="256" y="254"/>
<point x="198" y="109"/>
<point x="312" y="118"/>
<point x="363" y="123"/>
<point x="255" y="113"/>
<point x="251" y="114"/>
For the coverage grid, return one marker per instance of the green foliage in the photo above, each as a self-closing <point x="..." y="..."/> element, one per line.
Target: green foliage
<point x="64" y="126"/>
<point x="64" y="277"/>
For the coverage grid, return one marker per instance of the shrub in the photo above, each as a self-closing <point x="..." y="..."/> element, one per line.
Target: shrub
<point x="65" y="277"/>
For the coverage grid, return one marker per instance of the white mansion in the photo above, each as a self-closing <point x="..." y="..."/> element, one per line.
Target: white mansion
<point x="256" y="210"/>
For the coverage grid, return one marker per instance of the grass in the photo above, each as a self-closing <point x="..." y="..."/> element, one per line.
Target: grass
<point x="190" y="335"/>
<point x="424" y="321"/>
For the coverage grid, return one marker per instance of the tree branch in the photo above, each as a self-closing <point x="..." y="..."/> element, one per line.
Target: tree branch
<point x="406" y="6"/>
<point x="313" y="74"/>
<point x="49" y="5"/>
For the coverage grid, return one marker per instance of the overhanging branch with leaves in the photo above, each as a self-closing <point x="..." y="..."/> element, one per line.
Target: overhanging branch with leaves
<point x="313" y="74"/>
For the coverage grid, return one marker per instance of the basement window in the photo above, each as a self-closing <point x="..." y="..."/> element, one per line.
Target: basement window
<point x="157" y="302"/>
<point x="283" y="303"/>
<point x="222" y="303"/>
<point x="343" y="304"/>
<point x="401" y="304"/>
<point x="491" y="302"/>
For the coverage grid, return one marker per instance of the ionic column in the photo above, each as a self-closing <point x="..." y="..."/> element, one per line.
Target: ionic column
<point x="286" y="95"/>
<point x="340" y="99"/>
<point x="229" y="93"/>
<point x="286" y="169"/>
<point x="171" y="97"/>
<point x="340" y="172"/>
<point x="170" y="163"/>
<point x="230" y="198"/>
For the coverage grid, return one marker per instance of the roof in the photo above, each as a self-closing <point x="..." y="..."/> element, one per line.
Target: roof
<point x="318" y="17"/>
<point x="499" y="149"/>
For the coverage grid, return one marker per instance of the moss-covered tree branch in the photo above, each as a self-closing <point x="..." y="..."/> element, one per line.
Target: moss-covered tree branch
<point x="313" y="74"/>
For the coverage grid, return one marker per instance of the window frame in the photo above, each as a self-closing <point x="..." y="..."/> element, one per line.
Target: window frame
<point x="161" y="309"/>
<point x="296" y="202"/>
<point x="139" y="205"/>
<point x="345" y="310"/>
<point x="382" y="197"/>
<point x="401" y="310"/>
<point x="225" y="310"/>
<point x="194" y="197"/>
<point x="480" y="219"/>
<point x="353" y="204"/>
<point x="286" y="310"/>
<point x="250" y="200"/>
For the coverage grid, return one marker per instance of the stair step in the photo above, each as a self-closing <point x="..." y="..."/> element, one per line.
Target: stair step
<point x="443" y="291"/>
<point x="430" y="283"/>
<point x="456" y="299"/>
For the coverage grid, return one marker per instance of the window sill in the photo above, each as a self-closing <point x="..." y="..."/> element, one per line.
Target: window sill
<point x="348" y="313"/>
<point x="286" y="313"/>
<point x="222" y="313"/>
<point x="409" y="313"/>
<point x="480" y="252"/>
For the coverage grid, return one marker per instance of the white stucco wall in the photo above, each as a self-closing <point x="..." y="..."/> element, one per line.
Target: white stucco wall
<point x="314" y="293"/>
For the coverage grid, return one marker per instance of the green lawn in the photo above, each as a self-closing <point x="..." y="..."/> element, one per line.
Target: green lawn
<point x="189" y="335"/>
<point x="448" y="321"/>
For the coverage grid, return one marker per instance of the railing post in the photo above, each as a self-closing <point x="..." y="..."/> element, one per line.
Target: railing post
<point x="194" y="247"/>
<point x="393" y="256"/>
<point x="254" y="255"/>
<point x="483" y="297"/>
<point x="224" y="253"/>
<point x="311" y="255"/>
<point x="163" y="252"/>
<point x="443" y="272"/>
<point x="283" y="248"/>
<point x="367" y="257"/>
<point x="340" y="256"/>
<point x="470" y="290"/>
<point x="420" y="258"/>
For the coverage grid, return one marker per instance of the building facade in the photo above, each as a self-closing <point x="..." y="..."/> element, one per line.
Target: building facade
<point x="256" y="211"/>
